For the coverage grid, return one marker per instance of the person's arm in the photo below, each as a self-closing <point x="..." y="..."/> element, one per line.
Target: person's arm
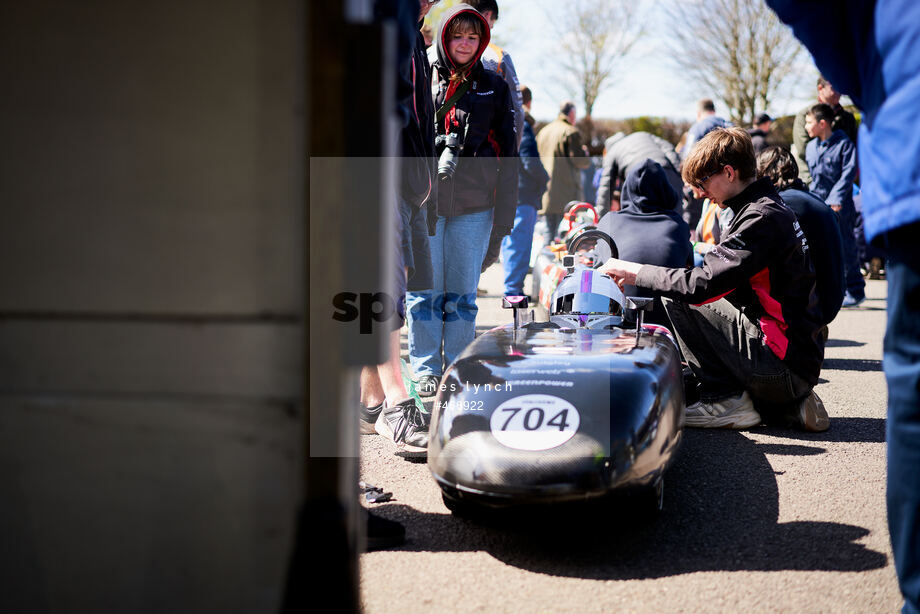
<point x="846" y="121"/>
<point x="818" y="25"/>
<point x="605" y="189"/>
<point x="506" y="194"/>
<point x="668" y="150"/>
<point x="531" y="165"/>
<point x="405" y="16"/>
<point x="510" y="76"/>
<point x="576" y="149"/>
<point x="727" y="266"/>
<point x="842" y="190"/>
<point x="692" y="138"/>
<point x="800" y="140"/>
<point x="623" y="272"/>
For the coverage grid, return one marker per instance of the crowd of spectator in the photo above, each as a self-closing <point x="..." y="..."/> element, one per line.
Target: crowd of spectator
<point x="475" y="180"/>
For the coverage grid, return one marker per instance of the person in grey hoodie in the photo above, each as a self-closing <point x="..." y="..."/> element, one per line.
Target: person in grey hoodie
<point x="623" y="153"/>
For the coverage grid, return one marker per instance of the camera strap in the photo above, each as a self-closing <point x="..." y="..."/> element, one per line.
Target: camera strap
<point x="451" y="102"/>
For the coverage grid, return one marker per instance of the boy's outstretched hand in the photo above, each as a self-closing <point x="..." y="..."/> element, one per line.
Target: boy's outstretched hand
<point x="623" y="272"/>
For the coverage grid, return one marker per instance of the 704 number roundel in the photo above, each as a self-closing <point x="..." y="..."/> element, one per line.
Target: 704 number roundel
<point x="534" y="422"/>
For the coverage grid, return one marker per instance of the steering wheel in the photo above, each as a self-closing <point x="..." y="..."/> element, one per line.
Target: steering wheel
<point x="595" y="242"/>
<point x="571" y="211"/>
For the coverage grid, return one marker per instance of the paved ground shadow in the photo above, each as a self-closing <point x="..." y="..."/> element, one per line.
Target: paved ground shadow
<point x="721" y="511"/>
<point x="857" y="430"/>
<point x="843" y="343"/>
<point x="852" y="364"/>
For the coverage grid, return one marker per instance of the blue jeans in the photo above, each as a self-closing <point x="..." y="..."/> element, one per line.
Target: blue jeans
<point x="446" y="314"/>
<point x="516" y="249"/>
<point x="552" y="225"/>
<point x="846" y="219"/>
<point x="902" y="370"/>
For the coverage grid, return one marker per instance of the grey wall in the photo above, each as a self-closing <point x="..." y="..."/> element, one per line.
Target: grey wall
<point x="151" y="304"/>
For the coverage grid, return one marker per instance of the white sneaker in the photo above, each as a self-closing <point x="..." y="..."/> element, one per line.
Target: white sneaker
<point x="731" y="413"/>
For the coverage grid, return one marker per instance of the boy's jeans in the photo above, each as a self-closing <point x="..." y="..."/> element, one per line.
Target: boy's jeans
<point x="725" y="351"/>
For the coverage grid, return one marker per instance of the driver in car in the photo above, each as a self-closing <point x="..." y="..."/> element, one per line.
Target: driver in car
<point x="747" y="320"/>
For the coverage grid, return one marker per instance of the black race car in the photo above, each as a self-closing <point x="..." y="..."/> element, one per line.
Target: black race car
<point x="573" y="408"/>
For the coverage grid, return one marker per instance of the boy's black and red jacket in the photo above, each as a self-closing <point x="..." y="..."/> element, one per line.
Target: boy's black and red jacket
<point x="761" y="266"/>
<point x="487" y="171"/>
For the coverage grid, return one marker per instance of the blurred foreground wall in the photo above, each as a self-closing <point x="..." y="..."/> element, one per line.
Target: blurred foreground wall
<point x="151" y="304"/>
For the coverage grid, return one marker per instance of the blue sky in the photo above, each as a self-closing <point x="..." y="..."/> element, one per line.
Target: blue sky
<point x="647" y="84"/>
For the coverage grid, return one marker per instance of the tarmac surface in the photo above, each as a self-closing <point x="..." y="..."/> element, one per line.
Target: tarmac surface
<point x="762" y="520"/>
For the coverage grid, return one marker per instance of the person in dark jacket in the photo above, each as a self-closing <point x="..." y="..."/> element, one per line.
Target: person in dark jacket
<point x="386" y="406"/>
<point x="871" y="50"/>
<point x="746" y="320"/>
<point x="843" y="120"/>
<point x="532" y="180"/>
<point x="706" y="122"/>
<point x="564" y="157"/>
<point x="623" y="153"/>
<point x="647" y="228"/>
<point x="760" y="132"/>
<point x="825" y="246"/>
<point x="831" y="158"/>
<point x="477" y="193"/>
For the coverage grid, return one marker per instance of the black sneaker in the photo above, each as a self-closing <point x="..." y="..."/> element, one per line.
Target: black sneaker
<point x="383" y="533"/>
<point x="368" y="417"/>
<point x="428" y="385"/>
<point x="406" y="425"/>
<point x="811" y="415"/>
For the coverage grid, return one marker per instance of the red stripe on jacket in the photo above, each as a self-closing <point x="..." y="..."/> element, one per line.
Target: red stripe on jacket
<point x="772" y="324"/>
<point x="451" y="118"/>
<point x="494" y="143"/>
<point x="715" y="298"/>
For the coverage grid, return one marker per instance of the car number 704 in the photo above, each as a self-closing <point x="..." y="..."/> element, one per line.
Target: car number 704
<point x="534" y="416"/>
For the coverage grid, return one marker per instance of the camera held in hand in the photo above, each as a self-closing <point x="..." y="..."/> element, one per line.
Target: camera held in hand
<point x="447" y="162"/>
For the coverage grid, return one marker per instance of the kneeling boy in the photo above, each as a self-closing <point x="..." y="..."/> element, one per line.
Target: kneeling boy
<point x="746" y="320"/>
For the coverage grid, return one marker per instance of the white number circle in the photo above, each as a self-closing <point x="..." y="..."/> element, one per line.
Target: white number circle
<point x="534" y="422"/>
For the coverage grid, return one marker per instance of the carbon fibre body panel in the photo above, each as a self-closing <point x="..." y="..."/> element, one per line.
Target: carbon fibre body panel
<point x="544" y="414"/>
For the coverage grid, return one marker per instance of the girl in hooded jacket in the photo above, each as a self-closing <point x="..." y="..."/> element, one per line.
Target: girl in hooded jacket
<point x="477" y="193"/>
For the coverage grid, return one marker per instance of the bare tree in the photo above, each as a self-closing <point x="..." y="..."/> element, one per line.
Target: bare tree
<point x="437" y="11"/>
<point x="737" y="50"/>
<point x="592" y="37"/>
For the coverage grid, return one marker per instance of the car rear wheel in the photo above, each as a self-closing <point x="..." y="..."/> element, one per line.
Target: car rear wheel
<point x="458" y="507"/>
